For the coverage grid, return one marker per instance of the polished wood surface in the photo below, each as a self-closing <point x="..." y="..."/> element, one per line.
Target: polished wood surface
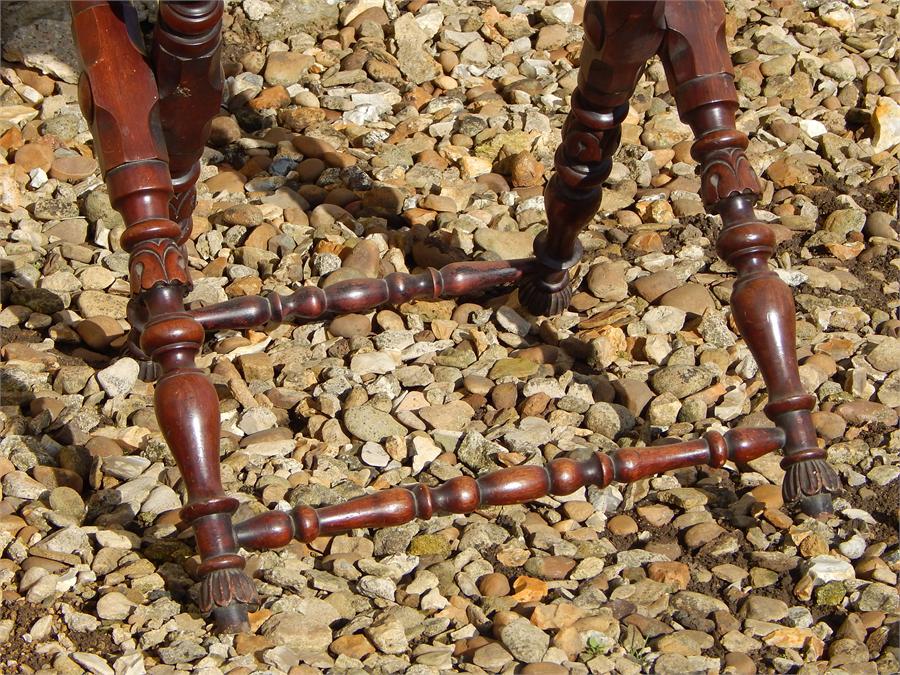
<point x="515" y="485"/>
<point x="131" y="148"/>
<point x="359" y="295"/>
<point x="149" y="131"/>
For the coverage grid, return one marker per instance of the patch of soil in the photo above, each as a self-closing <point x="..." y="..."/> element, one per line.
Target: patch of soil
<point x="881" y="501"/>
<point x="19" y="652"/>
<point x="8" y="335"/>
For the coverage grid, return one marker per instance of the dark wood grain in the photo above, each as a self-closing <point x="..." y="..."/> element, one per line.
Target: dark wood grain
<point x="619" y="38"/>
<point x="129" y="143"/>
<point x="186" y="60"/>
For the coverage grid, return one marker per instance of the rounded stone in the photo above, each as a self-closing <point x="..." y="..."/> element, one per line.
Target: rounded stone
<point x="72" y="168"/>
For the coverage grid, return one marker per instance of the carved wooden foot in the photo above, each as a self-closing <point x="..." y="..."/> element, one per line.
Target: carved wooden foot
<point x="133" y="158"/>
<point x="619" y="38"/>
<point x="700" y="75"/>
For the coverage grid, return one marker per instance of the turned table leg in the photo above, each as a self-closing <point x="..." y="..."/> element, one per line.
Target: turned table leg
<point x="619" y="38"/>
<point x="700" y="76"/>
<point x="186" y="60"/>
<point x="124" y="119"/>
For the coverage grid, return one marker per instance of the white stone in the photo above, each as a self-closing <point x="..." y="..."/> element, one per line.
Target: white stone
<point x="119" y="378"/>
<point x="664" y="319"/>
<point x="131" y="663"/>
<point x="257" y="419"/>
<point x="374" y="455"/>
<point x="114" y="606"/>
<point x="512" y="321"/>
<point x="424" y="451"/>
<point x="825" y="568"/>
<point x="813" y="128"/>
<point x="854" y="547"/>
<point x="161" y="499"/>
<point x="38" y="178"/>
<point x="377" y="363"/>
<point x="117" y="539"/>
<point x="93" y="663"/>
<point x="256" y="9"/>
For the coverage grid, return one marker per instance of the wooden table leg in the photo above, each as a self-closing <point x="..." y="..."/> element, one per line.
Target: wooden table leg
<point x="700" y="76"/>
<point x="124" y="118"/>
<point x="619" y="38"/>
<point x="186" y="59"/>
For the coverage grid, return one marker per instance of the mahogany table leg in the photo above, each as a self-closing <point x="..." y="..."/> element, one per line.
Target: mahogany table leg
<point x="619" y="38"/>
<point x="187" y="67"/>
<point x="124" y="119"/>
<point x="186" y="58"/>
<point x="700" y="75"/>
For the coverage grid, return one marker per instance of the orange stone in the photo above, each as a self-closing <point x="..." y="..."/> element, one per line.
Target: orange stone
<point x="227" y="181"/>
<point x="73" y="168"/>
<point x="354" y="646"/>
<point x="34" y="156"/>
<point x="529" y="589"/>
<point x="273" y="97"/>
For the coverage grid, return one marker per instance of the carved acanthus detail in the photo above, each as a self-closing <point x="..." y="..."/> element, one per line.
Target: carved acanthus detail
<point x="727" y="172"/>
<point x="158" y="261"/>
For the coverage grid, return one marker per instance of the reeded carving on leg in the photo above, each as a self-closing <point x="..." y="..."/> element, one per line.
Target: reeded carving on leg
<point x="187" y="409"/>
<point x="222" y="588"/>
<point x="808" y="477"/>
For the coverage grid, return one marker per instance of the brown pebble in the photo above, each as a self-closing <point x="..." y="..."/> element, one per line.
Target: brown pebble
<point x="34" y="156"/>
<point x="525" y="170"/>
<point x="224" y="130"/>
<point x="503" y="396"/>
<point x="494" y="585"/>
<point x="72" y="168"/>
<point x="101" y="446"/>
<point x="740" y="664"/>
<point x="350" y="325"/>
<point x="675" y="573"/>
<point x="534" y="405"/>
<point x="768" y="495"/>
<point x="622" y="524"/>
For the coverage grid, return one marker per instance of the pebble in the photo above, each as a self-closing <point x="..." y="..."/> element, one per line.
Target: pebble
<point x="120" y="378"/>
<point x="370" y="424"/>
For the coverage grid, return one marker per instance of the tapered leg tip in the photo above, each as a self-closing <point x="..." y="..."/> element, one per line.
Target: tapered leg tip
<point x="232" y="619"/>
<point x="817" y="505"/>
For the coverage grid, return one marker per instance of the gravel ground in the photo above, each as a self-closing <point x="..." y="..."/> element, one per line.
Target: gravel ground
<point x="374" y="136"/>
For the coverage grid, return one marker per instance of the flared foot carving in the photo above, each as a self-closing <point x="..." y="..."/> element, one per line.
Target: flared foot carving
<point x="808" y="480"/>
<point x="544" y="298"/>
<point x="228" y="594"/>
